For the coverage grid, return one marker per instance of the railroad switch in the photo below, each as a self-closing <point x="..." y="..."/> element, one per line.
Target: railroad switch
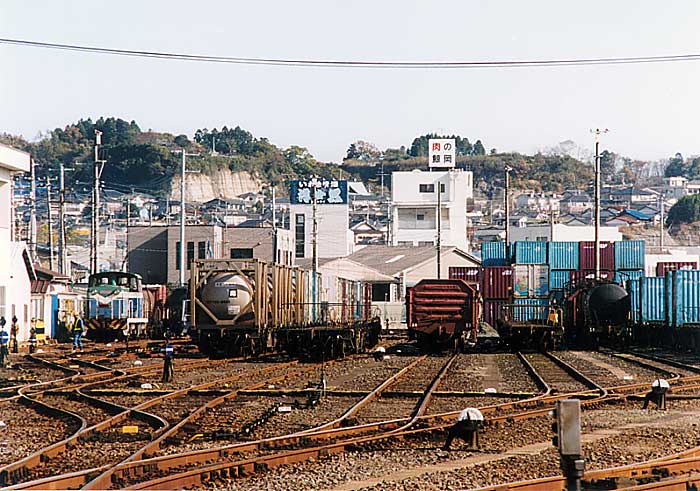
<point x="659" y="389"/>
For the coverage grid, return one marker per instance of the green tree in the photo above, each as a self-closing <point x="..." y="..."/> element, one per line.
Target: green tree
<point x="607" y="165"/>
<point x="676" y="166"/>
<point x="686" y="210"/>
<point x="478" y="148"/>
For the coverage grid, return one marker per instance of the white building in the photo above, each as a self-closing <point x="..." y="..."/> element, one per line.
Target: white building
<point x="334" y="237"/>
<point x="16" y="270"/>
<point x="562" y="232"/>
<point x="414" y="207"/>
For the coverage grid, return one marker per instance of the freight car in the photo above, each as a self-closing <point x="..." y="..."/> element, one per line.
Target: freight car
<point x="249" y="306"/>
<point x="443" y="313"/>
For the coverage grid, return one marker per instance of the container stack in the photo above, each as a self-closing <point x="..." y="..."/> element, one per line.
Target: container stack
<point x="530" y="281"/>
<point x="496" y="281"/>
<point x="629" y="260"/>
<point x="470" y="274"/>
<point x="563" y="259"/>
<point x="586" y="269"/>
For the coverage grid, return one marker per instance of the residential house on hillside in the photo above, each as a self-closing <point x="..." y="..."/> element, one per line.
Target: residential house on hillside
<point x="633" y="195"/>
<point x="575" y="203"/>
<point x="368" y="232"/>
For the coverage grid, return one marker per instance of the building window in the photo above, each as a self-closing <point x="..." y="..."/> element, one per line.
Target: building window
<point x="420" y="217"/>
<point x="425" y="242"/>
<point x="177" y="256"/>
<point x="300" y="235"/>
<point x="241" y="253"/>
<point x="190" y="254"/>
<point x="426" y="188"/>
<point x="201" y="250"/>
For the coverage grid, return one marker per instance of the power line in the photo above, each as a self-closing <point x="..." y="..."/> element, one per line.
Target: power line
<point x="357" y="63"/>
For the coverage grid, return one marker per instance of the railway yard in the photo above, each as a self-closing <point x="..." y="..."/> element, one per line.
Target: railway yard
<point x="104" y="420"/>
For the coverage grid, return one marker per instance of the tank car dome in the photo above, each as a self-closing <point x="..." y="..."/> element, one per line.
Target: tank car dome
<point x="609" y="304"/>
<point x="227" y="295"/>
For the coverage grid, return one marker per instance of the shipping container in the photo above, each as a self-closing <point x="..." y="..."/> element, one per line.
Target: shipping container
<point x="635" y="302"/>
<point x="629" y="254"/>
<point x="558" y="279"/>
<point x="493" y="310"/>
<point x="652" y="299"/>
<point x="494" y="254"/>
<point x="563" y="255"/>
<point x="530" y="310"/>
<point x="496" y="282"/>
<point x="470" y="274"/>
<point x="622" y="276"/>
<point x="578" y="278"/>
<point x="586" y="257"/>
<point x="664" y="267"/>
<point x="685" y="303"/>
<point x="530" y="252"/>
<point x="530" y="280"/>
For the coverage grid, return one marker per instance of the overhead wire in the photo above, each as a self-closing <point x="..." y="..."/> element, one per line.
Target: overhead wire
<point x="295" y="62"/>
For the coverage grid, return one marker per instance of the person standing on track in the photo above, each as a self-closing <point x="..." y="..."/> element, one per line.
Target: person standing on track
<point x="4" y="339"/>
<point x="14" y="332"/>
<point x="77" y="332"/>
<point x="168" y="370"/>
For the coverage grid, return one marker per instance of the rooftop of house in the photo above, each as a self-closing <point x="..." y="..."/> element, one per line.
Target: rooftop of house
<point x="391" y="260"/>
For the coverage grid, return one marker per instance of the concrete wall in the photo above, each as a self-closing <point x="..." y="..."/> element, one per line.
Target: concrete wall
<point x="194" y="234"/>
<point x="563" y="233"/>
<point x="148" y="253"/>
<point x="335" y="239"/>
<point x="260" y="240"/>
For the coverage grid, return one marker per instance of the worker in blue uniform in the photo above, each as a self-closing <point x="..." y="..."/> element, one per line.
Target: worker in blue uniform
<point x="168" y="370"/>
<point x="4" y="339"/>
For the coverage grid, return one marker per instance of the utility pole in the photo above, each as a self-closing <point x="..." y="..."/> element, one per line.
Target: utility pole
<point x="32" y="213"/>
<point x="661" y="223"/>
<point x="507" y="205"/>
<point x="62" y="256"/>
<point x="95" y="238"/>
<point x="183" y="215"/>
<point x="274" y="226"/>
<point x="597" y="133"/>
<point x="49" y="221"/>
<point x="314" y="252"/>
<point x="438" y="242"/>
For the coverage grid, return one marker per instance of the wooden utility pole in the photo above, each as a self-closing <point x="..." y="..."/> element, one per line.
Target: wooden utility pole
<point x="95" y="235"/>
<point x="597" y="132"/>
<point x="506" y="198"/>
<point x="62" y="255"/>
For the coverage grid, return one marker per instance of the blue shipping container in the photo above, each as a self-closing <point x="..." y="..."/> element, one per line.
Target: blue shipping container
<point x="629" y="254"/>
<point x="686" y="298"/>
<point x="530" y="309"/>
<point x="494" y="254"/>
<point x="530" y="252"/>
<point x="635" y="303"/>
<point x="652" y="299"/>
<point x="563" y="255"/>
<point x="668" y="281"/>
<point x="557" y="279"/>
<point x="622" y="276"/>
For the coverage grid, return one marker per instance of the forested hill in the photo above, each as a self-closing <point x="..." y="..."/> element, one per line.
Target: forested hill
<point x="147" y="160"/>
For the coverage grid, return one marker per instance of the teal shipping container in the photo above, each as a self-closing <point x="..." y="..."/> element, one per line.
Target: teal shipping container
<point x="558" y="279"/>
<point x="629" y="254"/>
<point x="563" y="255"/>
<point x="530" y="252"/>
<point x="685" y="304"/>
<point x="652" y="299"/>
<point x="530" y="309"/>
<point x="494" y="254"/>
<point x="632" y="288"/>
<point x="622" y="276"/>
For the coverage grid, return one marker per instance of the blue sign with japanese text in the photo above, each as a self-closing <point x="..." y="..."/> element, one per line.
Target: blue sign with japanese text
<point x="326" y="191"/>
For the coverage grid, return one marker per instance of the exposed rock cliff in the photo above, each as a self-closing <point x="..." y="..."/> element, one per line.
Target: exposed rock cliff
<point x="222" y="183"/>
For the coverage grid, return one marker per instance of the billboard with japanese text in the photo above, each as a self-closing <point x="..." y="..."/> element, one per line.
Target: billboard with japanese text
<point x="441" y="152"/>
<point x="327" y="192"/>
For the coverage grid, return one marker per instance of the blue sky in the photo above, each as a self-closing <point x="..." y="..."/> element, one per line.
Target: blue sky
<point x="651" y="110"/>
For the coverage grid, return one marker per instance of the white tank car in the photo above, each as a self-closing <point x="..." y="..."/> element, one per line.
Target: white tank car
<point x="228" y="295"/>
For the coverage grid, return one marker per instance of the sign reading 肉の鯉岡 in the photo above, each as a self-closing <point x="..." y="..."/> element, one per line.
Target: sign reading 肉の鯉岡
<point x="441" y="152"/>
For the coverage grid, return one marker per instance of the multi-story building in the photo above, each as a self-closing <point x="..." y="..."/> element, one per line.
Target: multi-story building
<point x="414" y="199"/>
<point x="16" y="268"/>
<point x="333" y="235"/>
